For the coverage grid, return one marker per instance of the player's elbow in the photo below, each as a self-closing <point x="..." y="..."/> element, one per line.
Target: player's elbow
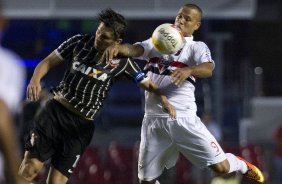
<point x="146" y="87"/>
<point x="209" y="73"/>
<point x="206" y="74"/>
<point x="208" y="70"/>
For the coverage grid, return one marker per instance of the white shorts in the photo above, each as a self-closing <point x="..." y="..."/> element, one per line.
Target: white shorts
<point x="162" y="139"/>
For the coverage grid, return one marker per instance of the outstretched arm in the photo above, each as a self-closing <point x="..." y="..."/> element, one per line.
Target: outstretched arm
<point x="126" y="50"/>
<point x="34" y="87"/>
<point x="150" y="86"/>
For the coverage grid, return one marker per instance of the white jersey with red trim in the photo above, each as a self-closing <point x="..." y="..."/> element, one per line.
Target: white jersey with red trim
<point x="160" y="66"/>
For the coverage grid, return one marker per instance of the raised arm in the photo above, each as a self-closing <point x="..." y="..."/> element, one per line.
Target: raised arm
<point x="34" y="87"/>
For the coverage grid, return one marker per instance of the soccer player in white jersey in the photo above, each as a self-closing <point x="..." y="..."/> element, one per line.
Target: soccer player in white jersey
<point x="162" y="138"/>
<point x="12" y="79"/>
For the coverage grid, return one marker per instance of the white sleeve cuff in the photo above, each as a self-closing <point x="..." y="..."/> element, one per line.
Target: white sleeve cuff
<point x="58" y="54"/>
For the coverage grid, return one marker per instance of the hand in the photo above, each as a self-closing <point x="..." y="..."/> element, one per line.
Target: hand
<point x="33" y="90"/>
<point x="111" y="52"/>
<point x="179" y="75"/>
<point x="168" y="108"/>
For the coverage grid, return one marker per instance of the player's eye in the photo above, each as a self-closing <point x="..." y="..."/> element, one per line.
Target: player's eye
<point x="187" y="19"/>
<point x="179" y="16"/>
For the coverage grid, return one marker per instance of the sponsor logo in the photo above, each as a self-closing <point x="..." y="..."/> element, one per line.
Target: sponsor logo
<point x="89" y="71"/>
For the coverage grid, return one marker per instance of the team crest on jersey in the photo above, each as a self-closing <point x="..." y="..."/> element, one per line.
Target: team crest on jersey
<point x="163" y="64"/>
<point x="90" y="71"/>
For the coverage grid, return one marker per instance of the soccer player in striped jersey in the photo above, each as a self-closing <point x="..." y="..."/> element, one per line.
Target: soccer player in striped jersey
<point x="64" y="127"/>
<point x="162" y="138"/>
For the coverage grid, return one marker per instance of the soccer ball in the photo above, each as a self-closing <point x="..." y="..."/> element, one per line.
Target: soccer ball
<point x="167" y="39"/>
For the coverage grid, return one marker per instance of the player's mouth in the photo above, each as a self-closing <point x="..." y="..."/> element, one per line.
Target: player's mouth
<point x="178" y="25"/>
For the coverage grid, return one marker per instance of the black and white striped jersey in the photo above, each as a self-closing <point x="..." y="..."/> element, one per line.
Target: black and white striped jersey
<point x="86" y="82"/>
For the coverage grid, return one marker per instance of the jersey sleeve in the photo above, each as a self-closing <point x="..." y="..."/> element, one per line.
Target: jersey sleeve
<point x="202" y="53"/>
<point x="148" y="46"/>
<point x="65" y="50"/>
<point x="133" y="71"/>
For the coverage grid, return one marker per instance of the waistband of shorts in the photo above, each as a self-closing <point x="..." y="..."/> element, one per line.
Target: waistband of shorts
<point x="178" y="114"/>
<point x="62" y="101"/>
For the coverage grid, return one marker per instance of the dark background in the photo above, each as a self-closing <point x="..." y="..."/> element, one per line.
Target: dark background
<point x="249" y="45"/>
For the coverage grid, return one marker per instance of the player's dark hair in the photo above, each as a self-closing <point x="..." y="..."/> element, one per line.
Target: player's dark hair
<point x="115" y="21"/>
<point x="196" y="7"/>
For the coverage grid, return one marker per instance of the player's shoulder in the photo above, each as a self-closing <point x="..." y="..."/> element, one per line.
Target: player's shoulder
<point x="199" y="45"/>
<point x="85" y="36"/>
<point x="79" y="37"/>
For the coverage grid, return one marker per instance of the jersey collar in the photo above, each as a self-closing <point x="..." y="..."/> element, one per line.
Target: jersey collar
<point x="189" y="38"/>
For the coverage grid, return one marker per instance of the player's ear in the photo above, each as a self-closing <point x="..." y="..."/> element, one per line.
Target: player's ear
<point x="198" y="25"/>
<point x="119" y="40"/>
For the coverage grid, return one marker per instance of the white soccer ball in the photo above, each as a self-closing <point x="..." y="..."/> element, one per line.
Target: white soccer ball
<point x="167" y="39"/>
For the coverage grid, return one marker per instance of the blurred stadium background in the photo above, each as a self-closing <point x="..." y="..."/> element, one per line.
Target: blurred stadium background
<point x="244" y="93"/>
